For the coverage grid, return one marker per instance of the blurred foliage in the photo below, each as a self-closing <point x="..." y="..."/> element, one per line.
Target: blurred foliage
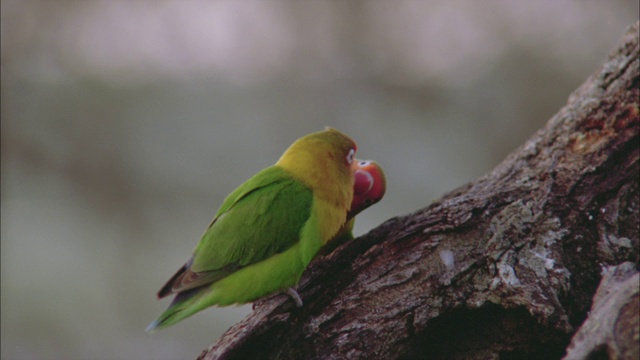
<point x="125" y="123"/>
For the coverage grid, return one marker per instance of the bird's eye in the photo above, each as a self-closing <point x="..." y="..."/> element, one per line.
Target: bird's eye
<point x="363" y="163"/>
<point x="350" y="156"/>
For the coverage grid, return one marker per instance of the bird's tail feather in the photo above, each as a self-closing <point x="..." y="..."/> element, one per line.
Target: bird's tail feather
<point x="183" y="305"/>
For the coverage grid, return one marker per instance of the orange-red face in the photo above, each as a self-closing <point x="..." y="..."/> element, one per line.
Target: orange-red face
<point x="369" y="187"/>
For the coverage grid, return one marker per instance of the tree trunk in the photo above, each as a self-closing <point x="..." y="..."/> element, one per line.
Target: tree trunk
<point x="505" y="267"/>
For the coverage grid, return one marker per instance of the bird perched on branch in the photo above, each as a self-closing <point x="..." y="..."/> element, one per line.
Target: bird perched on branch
<point x="268" y="229"/>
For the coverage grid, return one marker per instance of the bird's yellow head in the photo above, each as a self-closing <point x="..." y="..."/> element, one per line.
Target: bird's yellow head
<point x="324" y="161"/>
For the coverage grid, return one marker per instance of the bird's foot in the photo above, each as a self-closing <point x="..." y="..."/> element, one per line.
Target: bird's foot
<point x="295" y="296"/>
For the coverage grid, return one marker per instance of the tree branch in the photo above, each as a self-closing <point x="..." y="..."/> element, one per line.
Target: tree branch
<point x="612" y="327"/>
<point x="505" y="266"/>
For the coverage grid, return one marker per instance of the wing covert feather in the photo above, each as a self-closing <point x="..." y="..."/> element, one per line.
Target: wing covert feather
<point x="260" y="218"/>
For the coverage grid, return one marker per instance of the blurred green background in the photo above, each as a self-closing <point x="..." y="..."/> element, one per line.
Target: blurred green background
<point x="125" y="123"/>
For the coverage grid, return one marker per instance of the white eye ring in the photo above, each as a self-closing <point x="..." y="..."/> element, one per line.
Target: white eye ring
<point x="350" y="156"/>
<point x="364" y="163"/>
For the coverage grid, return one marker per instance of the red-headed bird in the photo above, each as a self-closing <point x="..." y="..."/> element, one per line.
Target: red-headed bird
<point x="369" y="187"/>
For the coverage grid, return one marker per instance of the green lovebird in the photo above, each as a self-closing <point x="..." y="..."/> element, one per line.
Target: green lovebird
<point x="268" y="229"/>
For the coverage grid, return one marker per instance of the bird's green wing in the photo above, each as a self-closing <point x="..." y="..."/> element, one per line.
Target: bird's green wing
<point x="260" y="218"/>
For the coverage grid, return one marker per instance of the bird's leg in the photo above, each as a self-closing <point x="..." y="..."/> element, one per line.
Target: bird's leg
<point x="294" y="295"/>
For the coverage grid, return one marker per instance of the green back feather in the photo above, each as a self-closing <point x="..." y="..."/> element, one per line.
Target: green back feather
<point x="260" y="218"/>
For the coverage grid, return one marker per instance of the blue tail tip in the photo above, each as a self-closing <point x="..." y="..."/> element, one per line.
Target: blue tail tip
<point x="152" y="327"/>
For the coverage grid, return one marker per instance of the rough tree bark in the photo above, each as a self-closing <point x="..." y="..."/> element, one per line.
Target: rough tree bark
<point x="505" y="267"/>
